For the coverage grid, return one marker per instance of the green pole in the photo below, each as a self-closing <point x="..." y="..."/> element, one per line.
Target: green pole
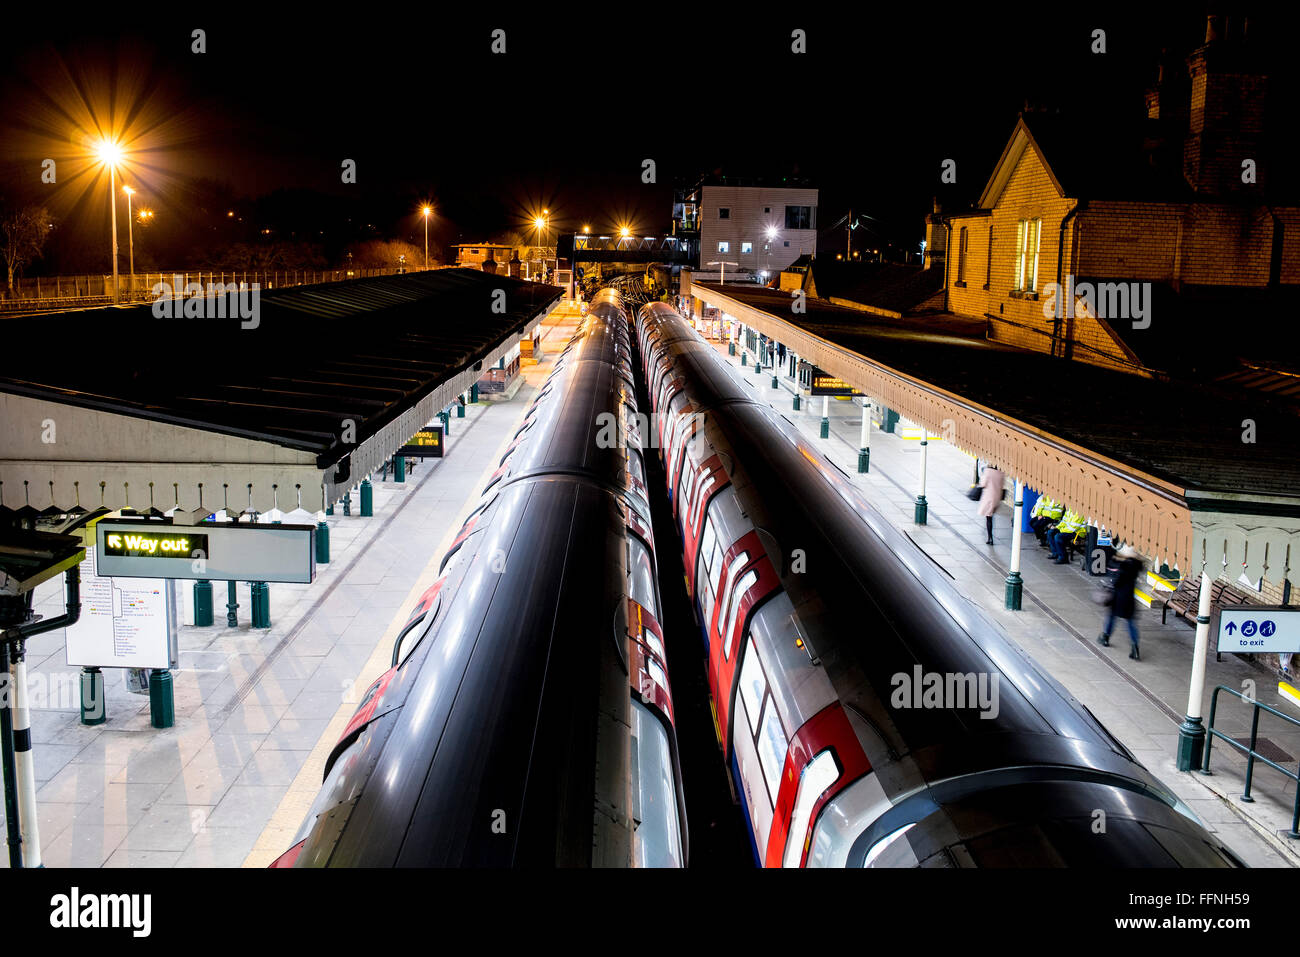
<point x="261" y="592"/>
<point x="367" y="499"/>
<point x="322" y="543"/>
<point x="232" y="606"/>
<point x="162" y="703"/>
<point x="399" y="468"/>
<point x="202" y="604"/>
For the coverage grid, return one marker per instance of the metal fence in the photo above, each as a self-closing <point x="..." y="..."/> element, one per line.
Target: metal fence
<point x="54" y="291"/>
<point x="1251" y="752"/>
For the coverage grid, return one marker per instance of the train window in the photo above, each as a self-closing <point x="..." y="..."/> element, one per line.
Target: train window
<point x="707" y="540"/>
<point x="733" y="605"/>
<point x="657" y="840"/>
<point x="704" y="488"/>
<point x="819" y="774"/>
<point x="715" y="579"/>
<point x="652" y="641"/>
<point x="635" y="466"/>
<point x="771" y="748"/>
<point x="752" y="685"/>
<point x="641" y="576"/>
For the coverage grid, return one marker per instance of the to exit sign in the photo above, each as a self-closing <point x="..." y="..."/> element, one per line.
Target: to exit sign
<point x="1255" y="628"/>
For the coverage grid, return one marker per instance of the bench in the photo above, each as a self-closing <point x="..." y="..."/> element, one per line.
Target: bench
<point x="1186" y="601"/>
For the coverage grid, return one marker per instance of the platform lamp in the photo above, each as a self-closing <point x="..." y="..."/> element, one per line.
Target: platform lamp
<point x="426" y="211"/>
<point x="130" y="240"/>
<point x="110" y="154"/>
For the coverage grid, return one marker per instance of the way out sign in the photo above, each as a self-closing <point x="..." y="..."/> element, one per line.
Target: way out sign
<point x="216" y="551"/>
<point x="1259" y="628"/>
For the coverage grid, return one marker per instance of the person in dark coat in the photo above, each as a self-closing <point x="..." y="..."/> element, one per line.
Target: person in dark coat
<point x="1123" y="604"/>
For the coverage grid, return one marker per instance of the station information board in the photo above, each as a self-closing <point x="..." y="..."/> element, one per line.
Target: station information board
<point x="124" y="623"/>
<point x="425" y="444"/>
<point x="825" y="384"/>
<point x="214" y="551"/>
<point x="1259" y="628"/>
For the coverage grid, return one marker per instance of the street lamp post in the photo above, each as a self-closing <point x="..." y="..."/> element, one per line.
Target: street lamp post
<point x="109" y="154"/>
<point x="426" y="212"/>
<point x="130" y="240"/>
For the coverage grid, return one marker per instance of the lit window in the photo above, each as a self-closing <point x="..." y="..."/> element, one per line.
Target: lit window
<point x="746" y="247"/>
<point x="724" y="247"/>
<point x="1028" y="238"/>
<point x="771" y="748"/>
<point x="736" y="595"/>
<point x="752" y="685"/>
<point x="641" y="577"/>
<point x="819" y="774"/>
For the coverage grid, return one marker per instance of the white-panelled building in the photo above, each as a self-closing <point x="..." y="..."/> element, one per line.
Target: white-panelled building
<point x="761" y="228"/>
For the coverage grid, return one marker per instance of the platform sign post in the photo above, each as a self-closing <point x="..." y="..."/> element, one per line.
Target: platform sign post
<point x="921" y="512"/>
<point x="1191" y="733"/>
<point x="864" y="443"/>
<point x="1015" y="586"/>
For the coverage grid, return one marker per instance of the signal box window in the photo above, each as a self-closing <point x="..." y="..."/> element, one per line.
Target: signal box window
<point x="724" y="212"/>
<point x="798" y="217"/>
<point x="724" y="247"/>
<point x="746" y="247"/>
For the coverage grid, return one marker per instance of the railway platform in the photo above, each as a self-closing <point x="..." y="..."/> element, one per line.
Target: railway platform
<point x="256" y="710"/>
<point x="1140" y="702"/>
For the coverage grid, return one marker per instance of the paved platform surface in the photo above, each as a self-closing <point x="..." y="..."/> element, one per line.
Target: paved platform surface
<point x="1141" y="702"/>
<point x="257" y="710"/>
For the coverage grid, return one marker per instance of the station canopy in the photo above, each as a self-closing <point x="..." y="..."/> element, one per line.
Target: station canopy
<point x="1199" y="475"/>
<point x="119" y="408"/>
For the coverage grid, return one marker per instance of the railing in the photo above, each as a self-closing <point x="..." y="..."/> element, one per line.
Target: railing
<point x="1251" y="753"/>
<point x="56" y="291"/>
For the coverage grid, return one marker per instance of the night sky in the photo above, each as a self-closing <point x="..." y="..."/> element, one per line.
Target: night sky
<point x="260" y="123"/>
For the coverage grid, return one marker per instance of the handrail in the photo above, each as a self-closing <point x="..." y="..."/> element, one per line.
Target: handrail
<point x="1294" y="833"/>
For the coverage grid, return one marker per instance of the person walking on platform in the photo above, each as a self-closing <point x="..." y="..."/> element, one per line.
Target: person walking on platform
<point x="1123" y="604"/>
<point x="991" y="497"/>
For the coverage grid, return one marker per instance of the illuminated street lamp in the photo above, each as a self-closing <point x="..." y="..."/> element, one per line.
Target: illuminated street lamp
<point x="130" y="237"/>
<point x="426" y="211"/>
<point x="110" y="154"/>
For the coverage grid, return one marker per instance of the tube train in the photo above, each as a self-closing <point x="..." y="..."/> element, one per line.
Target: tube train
<point x="871" y="715"/>
<point x="527" y="719"/>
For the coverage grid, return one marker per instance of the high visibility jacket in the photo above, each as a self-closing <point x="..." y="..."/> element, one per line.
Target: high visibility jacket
<point x="1041" y="506"/>
<point x="1072" y="523"/>
<point x="1054" y="510"/>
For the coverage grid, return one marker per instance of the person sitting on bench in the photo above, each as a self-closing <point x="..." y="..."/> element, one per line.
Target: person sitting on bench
<point x="1066" y="530"/>
<point x="1043" y="515"/>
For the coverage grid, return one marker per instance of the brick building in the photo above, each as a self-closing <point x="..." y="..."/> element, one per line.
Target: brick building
<point x="1131" y="245"/>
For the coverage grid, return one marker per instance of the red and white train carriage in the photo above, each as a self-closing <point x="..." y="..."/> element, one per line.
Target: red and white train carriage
<point x="811" y="606"/>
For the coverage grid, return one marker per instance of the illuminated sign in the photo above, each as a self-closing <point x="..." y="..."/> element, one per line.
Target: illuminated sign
<point x="826" y="384"/>
<point x="425" y="444"/>
<point x="156" y="545"/>
<point x="213" y="551"/>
